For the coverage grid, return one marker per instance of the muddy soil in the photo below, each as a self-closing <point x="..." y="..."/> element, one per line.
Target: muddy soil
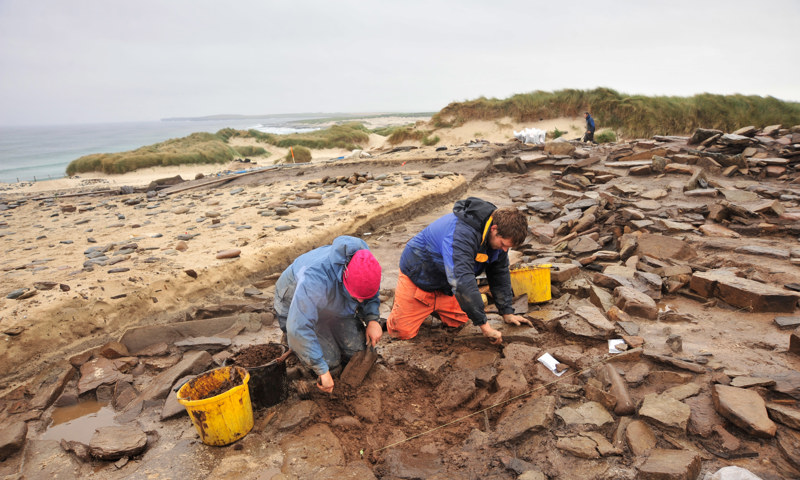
<point x="258" y="355"/>
<point x="203" y="387"/>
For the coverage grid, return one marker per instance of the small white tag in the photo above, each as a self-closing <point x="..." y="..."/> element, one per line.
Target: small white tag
<point x="612" y="345"/>
<point x="548" y="361"/>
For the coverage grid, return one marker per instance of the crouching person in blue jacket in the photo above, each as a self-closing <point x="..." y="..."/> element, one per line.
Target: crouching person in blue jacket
<point x="327" y="304"/>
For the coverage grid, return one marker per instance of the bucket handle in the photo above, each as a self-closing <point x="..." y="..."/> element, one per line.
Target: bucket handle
<point x="284" y="356"/>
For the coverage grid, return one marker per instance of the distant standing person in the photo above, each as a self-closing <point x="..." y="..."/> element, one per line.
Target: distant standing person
<point x="438" y="269"/>
<point x="327" y="304"/>
<point x="589" y="135"/>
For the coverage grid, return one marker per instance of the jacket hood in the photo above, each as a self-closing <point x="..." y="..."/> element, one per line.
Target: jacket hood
<point x="474" y="212"/>
<point x="342" y="250"/>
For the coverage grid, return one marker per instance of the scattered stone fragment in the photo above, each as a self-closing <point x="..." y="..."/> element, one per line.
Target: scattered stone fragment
<point x="636" y="303"/>
<point x="741" y="292"/>
<point x="12" y="438"/>
<point x="785" y="415"/>
<point x="670" y="464"/>
<point x="533" y="415"/>
<point x="665" y="412"/>
<point x="112" y="443"/>
<point x="230" y="253"/>
<point x="591" y="413"/>
<point x="744" y="408"/>
<point x="640" y="438"/>
<point x="747" y="382"/>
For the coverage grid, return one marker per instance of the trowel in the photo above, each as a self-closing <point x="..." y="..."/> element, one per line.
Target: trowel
<point x="359" y="366"/>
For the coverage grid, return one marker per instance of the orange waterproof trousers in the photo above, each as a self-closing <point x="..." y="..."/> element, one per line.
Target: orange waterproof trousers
<point x="412" y="306"/>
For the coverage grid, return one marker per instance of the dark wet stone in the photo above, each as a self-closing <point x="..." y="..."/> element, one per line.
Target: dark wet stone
<point x="530" y="416"/>
<point x="455" y="389"/>
<point x="299" y="414"/>
<point x="119" y="270"/>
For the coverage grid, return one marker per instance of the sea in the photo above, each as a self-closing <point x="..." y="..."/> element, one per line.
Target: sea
<point x="36" y="153"/>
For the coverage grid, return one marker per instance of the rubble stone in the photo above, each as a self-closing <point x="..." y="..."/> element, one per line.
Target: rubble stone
<point x="665" y="464"/>
<point x="112" y="443"/>
<point x="665" y="412"/>
<point x="785" y="415"/>
<point x="640" y="438"/>
<point x="745" y="409"/>
<point x="663" y="247"/>
<point x="591" y="413"/>
<point x="12" y="438"/>
<point x="741" y="292"/>
<point x="532" y="415"/>
<point x="635" y="303"/>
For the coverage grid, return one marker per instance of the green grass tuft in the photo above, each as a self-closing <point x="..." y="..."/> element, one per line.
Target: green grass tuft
<point x="606" y="136"/>
<point x="301" y="155"/>
<point x="429" y="141"/>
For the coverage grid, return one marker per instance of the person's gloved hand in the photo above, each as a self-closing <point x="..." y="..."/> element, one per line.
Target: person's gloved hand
<point x="513" y="319"/>
<point x="494" y="336"/>
<point x="325" y="382"/>
<point x="374" y="333"/>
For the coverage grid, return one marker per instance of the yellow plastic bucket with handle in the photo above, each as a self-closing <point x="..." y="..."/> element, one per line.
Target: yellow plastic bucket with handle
<point x="221" y="415"/>
<point x="535" y="281"/>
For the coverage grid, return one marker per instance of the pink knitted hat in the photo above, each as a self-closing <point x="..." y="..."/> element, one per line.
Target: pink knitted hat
<point x="362" y="277"/>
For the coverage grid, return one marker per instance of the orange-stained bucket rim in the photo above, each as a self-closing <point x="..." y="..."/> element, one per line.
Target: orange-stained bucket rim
<point x="204" y="401"/>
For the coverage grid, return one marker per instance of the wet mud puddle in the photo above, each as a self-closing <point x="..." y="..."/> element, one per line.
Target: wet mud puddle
<point x="78" y="422"/>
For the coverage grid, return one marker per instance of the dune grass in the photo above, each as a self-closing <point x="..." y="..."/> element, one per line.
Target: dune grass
<point x="630" y="115"/>
<point x="298" y="154"/>
<point x="397" y="135"/>
<point x="197" y="148"/>
<point x="250" y="151"/>
<point x="200" y="148"/>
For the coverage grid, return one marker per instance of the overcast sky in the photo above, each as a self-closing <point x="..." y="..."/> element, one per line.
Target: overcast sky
<point x="84" y="61"/>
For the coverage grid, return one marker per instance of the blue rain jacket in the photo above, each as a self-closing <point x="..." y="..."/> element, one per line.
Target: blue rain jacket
<point x="590" y="123"/>
<point x="320" y="293"/>
<point x="442" y="258"/>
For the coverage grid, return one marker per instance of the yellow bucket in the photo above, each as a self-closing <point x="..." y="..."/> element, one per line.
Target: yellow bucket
<point x="219" y="419"/>
<point x="535" y="281"/>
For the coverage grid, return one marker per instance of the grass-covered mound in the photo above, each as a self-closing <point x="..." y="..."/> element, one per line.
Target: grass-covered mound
<point x="631" y="115"/>
<point x="397" y="135"/>
<point x="197" y="148"/>
<point x="201" y="148"/>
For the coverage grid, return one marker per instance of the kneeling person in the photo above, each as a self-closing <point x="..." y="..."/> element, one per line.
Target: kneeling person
<point x="438" y="269"/>
<point x="324" y="300"/>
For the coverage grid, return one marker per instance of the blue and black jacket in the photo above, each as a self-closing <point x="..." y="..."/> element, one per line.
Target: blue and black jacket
<point x="590" y="123"/>
<point x="442" y="258"/>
